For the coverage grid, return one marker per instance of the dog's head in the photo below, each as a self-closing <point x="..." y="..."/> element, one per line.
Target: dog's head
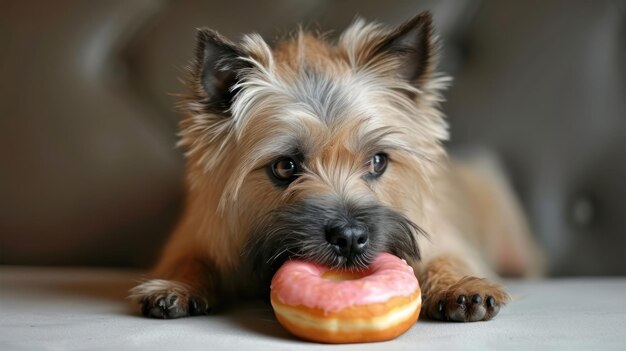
<point x="316" y="149"/>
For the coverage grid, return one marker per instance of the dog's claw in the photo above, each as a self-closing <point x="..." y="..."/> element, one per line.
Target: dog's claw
<point x="439" y="312"/>
<point x="197" y="308"/>
<point x="169" y="299"/>
<point x="461" y="299"/>
<point x="476" y="299"/>
<point x="168" y="307"/>
<point x="469" y="300"/>
<point x="161" y="304"/>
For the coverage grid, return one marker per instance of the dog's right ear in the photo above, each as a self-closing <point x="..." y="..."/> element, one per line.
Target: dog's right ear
<point x="218" y="63"/>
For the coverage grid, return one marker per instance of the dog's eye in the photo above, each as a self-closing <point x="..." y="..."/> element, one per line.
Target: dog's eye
<point x="377" y="165"/>
<point x="285" y="169"/>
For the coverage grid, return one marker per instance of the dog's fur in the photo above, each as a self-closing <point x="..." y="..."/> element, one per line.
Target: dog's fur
<point x="331" y="106"/>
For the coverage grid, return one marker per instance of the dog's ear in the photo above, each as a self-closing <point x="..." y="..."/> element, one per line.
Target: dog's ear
<point x="408" y="51"/>
<point x="414" y="43"/>
<point x="218" y="63"/>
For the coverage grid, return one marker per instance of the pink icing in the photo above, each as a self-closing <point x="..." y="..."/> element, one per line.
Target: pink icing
<point x="301" y="283"/>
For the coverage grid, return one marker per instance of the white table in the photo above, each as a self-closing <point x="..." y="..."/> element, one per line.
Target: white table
<point x="78" y="309"/>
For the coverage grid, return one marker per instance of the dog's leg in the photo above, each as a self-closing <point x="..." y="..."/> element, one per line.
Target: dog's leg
<point x="495" y="223"/>
<point x="186" y="287"/>
<point x="452" y="292"/>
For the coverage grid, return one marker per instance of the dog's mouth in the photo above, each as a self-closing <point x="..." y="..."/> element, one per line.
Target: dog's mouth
<point x="347" y="237"/>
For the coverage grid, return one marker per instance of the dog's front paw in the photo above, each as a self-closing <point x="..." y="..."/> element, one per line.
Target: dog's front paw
<point x="168" y="299"/>
<point x="469" y="300"/>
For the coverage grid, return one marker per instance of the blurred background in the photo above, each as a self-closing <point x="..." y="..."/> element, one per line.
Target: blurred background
<point x="89" y="174"/>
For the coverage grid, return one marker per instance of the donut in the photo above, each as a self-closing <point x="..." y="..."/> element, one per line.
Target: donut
<point x="330" y="306"/>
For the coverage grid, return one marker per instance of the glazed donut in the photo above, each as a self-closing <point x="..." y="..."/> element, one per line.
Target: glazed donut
<point x="317" y="304"/>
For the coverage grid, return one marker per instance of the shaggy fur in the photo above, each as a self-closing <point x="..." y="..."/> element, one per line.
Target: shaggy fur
<point x="332" y="106"/>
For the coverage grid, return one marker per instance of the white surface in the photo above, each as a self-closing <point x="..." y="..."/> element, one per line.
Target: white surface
<point x="78" y="309"/>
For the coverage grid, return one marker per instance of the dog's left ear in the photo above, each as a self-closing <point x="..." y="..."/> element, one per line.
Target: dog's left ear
<point x="414" y="43"/>
<point x="409" y="50"/>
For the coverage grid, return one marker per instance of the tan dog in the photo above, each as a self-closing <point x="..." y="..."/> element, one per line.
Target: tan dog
<point x="330" y="152"/>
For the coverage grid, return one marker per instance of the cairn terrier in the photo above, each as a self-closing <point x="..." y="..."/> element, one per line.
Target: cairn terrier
<point x="331" y="151"/>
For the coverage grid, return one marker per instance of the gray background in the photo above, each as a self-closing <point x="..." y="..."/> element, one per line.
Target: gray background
<point x="88" y="170"/>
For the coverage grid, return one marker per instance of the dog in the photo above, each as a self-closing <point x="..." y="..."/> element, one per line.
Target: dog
<point x="331" y="151"/>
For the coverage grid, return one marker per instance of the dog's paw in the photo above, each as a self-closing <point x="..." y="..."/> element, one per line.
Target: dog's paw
<point x="469" y="300"/>
<point x="168" y="299"/>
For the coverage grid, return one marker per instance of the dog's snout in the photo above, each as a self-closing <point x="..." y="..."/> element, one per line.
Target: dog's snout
<point x="347" y="240"/>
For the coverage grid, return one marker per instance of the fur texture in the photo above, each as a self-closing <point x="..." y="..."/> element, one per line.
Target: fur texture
<point x="330" y="106"/>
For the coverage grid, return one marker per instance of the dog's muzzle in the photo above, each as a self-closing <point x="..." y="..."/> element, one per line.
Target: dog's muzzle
<point x="337" y="233"/>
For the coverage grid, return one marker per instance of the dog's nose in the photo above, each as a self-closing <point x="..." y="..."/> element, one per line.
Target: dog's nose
<point x="347" y="240"/>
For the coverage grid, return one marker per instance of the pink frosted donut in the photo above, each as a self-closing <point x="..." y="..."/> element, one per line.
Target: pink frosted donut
<point x="321" y="305"/>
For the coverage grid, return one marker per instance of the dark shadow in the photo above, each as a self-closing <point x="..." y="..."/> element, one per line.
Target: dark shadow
<point x="257" y="317"/>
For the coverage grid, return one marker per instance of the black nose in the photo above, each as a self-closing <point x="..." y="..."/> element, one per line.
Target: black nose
<point x="347" y="240"/>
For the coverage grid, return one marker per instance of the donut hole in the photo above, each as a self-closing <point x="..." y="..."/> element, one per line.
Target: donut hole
<point x="341" y="275"/>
